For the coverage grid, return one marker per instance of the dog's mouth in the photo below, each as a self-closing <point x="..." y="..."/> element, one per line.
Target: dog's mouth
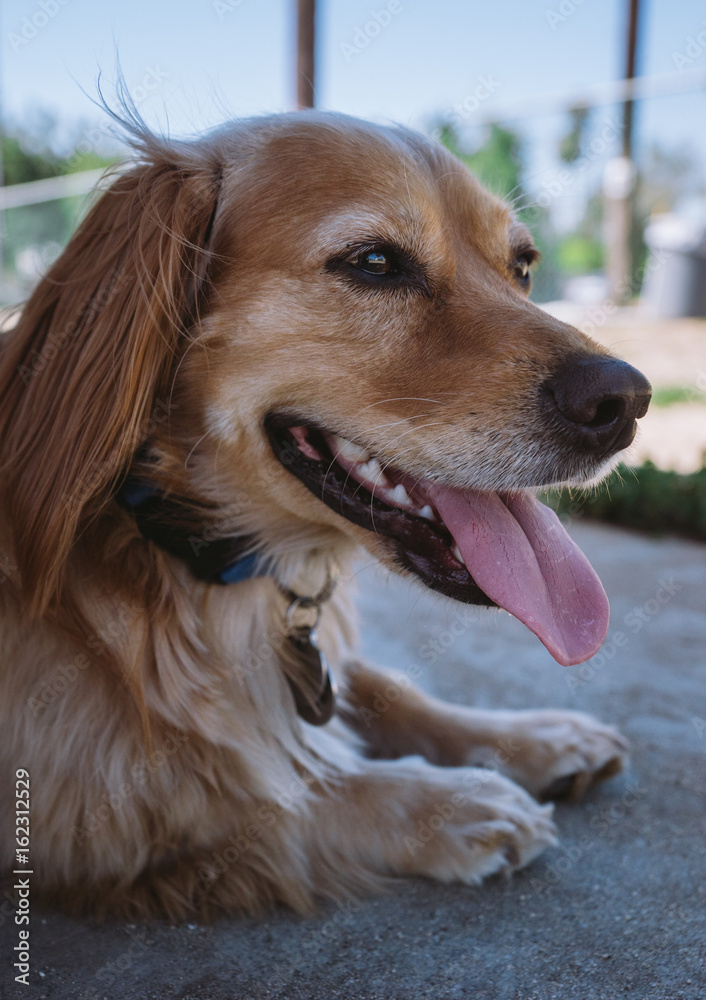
<point x="503" y="549"/>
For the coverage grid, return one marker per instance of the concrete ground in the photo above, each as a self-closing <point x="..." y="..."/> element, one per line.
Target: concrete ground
<point x="618" y="910"/>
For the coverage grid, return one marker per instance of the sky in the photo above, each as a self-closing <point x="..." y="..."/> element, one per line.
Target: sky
<point x="194" y="63"/>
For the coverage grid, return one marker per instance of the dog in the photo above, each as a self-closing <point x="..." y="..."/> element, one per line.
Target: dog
<point x="262" y="350"/>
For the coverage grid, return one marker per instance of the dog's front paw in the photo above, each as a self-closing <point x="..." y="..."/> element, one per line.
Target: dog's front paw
<point x="482" y="824"/>
<point x="560" y="754"/>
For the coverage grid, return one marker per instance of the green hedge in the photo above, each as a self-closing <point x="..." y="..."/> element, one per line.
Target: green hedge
<point x="645" y="498"/>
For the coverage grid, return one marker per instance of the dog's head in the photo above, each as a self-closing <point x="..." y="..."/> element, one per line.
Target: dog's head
<point x="332" y="319"/>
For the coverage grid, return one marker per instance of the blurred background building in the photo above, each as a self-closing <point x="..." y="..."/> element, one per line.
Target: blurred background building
<point x="587" y="114"/>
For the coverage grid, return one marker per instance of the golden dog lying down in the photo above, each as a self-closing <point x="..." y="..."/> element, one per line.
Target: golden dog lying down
<point x="262" y="349"/>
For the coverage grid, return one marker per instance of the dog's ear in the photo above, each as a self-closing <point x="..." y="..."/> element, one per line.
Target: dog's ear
<point x="95" y="349"/>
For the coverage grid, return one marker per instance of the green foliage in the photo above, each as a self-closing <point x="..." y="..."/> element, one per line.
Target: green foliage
<point x="25" y="159"/>
<point x="669" y="395"/>
<point x="33" y="235"/>
<point x="20" y="164"/>
<point x="497" y="163"/>
<point x="577" y="254"/>
<point x="646" y="498"/>
<point x="571" y="145"/>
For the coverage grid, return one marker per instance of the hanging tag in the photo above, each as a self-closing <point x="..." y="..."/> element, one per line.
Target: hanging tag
<point x="315" y="699"/>
<point x="316" y="710"/>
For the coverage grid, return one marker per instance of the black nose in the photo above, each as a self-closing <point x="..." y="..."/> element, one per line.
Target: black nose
<point x="599" y="399"/>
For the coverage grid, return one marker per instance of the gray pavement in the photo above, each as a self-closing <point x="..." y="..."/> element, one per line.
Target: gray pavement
<point x="618" y="910"/>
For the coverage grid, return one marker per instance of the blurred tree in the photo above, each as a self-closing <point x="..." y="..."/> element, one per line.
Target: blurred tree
<point x="33" y="235"/>
<point x="666" y="177"/>
<point x="571" y="146"/>
<point x="30" y="153"/>
<point x="581" y="251"/>
<point x="20" y="164"/>
<point x="577" y="254"/>
<point x="497" y="163"/>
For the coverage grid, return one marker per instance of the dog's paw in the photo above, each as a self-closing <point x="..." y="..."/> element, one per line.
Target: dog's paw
<point x="480" y="823"/>
<point x="560" y="754"/>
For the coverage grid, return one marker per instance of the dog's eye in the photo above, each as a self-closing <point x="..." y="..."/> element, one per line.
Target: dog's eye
<point x="373" y="262"/>
<point x="380" y="268"/>
<point x="521" y="270"/>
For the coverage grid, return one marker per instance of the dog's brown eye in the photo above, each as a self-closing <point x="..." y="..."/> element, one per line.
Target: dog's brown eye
<point x="522" y="270"/>
<point x="373" y="262"/>
<point x="380" y="268"/>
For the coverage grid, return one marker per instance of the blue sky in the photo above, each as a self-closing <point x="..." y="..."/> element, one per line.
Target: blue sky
<point x="199" y="61"/>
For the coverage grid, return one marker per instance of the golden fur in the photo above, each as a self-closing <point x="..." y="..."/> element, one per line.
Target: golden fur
<point x="170" y="773"/>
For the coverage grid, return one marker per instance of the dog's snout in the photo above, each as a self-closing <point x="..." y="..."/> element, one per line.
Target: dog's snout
<point x="600" y="398"/>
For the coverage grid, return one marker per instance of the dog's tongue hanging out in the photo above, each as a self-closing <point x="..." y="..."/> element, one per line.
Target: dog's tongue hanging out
<point x="518" y="553"/>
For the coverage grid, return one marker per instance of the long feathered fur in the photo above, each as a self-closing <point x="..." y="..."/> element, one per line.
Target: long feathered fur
<point x="169" y="771"/>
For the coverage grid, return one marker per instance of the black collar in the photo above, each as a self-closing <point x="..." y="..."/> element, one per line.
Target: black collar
<point x="161" y="518"/>
<point x="177" y="526"/>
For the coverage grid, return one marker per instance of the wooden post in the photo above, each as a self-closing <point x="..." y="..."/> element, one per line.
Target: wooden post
<point x="630" y="75"/>
<point x="306" y="39"/>
<point x="619" y="187"/>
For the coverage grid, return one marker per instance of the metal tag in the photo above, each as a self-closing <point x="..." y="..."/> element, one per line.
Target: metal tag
<point x="318" y="707"/>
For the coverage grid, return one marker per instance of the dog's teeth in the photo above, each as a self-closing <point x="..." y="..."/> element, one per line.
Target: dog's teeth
<point x="427" y="512"/>
<point x="456" y="553"/>
<point x="351" y="452"/>
<point x="399" y="494"/>
<point x="372" y="471"/>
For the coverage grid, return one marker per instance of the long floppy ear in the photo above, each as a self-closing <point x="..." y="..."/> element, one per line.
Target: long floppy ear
<point x="93" y="350"/>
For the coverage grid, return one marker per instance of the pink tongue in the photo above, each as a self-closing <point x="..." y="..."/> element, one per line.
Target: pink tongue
<point x="519" y="554"/>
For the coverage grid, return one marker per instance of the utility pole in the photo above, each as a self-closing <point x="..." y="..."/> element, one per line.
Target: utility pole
<point x="619" y="185"/>
<point x="306" y="43"/>
<point x="630" y="75"/>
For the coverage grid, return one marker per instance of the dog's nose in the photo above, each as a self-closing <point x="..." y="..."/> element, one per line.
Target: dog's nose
<point x="600" y="398"/>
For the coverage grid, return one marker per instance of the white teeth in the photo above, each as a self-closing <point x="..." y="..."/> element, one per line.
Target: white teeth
<point x="399" y="494"/>
<point x="372" y="471"/>
<point x="351" y="452"/>
<point x="456" y="553"/>
<point x="427" y="512"/>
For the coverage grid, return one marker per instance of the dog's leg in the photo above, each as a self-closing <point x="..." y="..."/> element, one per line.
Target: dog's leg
<point x="550" y="752"/>
<point x="367" y="821"/>
<point x="408" y="817"/>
